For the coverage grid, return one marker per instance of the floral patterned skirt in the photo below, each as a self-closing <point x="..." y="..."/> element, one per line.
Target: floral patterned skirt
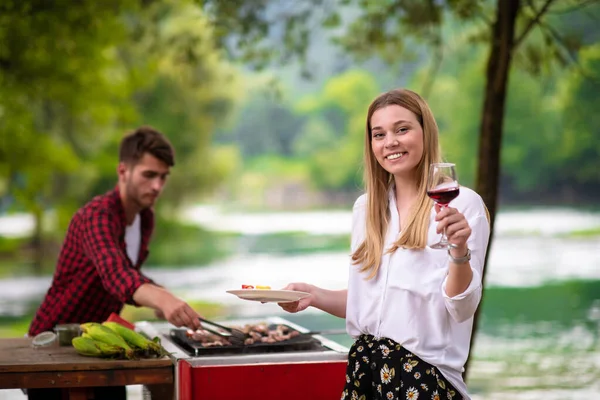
<point x="383" y="369"/>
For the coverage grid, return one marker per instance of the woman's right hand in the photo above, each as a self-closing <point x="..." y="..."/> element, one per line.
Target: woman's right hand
<point x="301" y="304"/>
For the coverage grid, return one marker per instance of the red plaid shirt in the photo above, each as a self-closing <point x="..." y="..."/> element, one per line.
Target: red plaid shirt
<point x="94" y="277"/>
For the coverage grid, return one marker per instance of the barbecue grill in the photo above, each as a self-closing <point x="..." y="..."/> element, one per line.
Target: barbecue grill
<point x="303" y="367"/>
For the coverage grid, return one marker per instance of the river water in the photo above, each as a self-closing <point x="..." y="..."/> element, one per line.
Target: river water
<point x="539" y="330"/>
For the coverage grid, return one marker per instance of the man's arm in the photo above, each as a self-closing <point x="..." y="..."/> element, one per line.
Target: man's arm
<point x="101" y="245"/>
<point x="175" y="310"/>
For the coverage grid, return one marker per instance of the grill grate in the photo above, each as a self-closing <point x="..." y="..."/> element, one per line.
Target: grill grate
<point x="193" y="348"/>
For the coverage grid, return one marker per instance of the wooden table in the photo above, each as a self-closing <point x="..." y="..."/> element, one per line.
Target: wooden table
<point x="22" y="366"/>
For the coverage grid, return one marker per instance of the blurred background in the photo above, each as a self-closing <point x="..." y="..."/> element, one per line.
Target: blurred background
<point x="265" y="103"/>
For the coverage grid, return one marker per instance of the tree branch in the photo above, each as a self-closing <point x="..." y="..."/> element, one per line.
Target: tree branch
<point x="560" y="40"/>
<point x="484" y="17"/>
<point x="5" y="64"/>
<point x="436" y="63"/>
<point x="576" y="7"/>
<point x="532" y="23"/>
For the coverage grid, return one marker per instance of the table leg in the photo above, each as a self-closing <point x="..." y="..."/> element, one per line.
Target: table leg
<point x="76" y="393"/>
<point x="161" y="392"/>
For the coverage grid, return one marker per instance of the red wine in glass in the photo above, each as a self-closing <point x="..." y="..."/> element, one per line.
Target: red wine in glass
<point x="442" y="187"/>
<point x="443" y="196"/>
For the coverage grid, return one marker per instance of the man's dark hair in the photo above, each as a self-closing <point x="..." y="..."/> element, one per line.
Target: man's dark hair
<point x="146" y="139"/>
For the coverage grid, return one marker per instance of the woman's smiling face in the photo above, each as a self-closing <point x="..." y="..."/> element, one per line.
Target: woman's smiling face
<point x="396" y="140"/>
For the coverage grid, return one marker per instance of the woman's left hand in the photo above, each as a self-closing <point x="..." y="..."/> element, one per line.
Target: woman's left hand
<point x="457" y="227"/>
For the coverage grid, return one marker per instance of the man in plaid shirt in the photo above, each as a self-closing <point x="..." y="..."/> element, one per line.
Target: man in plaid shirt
<point x="98" y="269"/>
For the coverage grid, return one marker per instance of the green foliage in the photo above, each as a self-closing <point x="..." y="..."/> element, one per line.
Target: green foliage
<point x="549" y="135"/>
<point x="455" y="100"/>
<point x="338" y="111"/>
<point x="324" y="132"/>
<point x="579" y="141"/>
<point x="75" y="77"/>
<point x="539" y="110"/>
<point x="563" y="304"/>
<point x="295" y="243"/>
<point x="192" y="93"/>
<point x="175" y="245"/>
<point x="584" y="233"/>
<point x="47" y="55"/>
<point x="60" y="91"/>
<point x="265" y="124"/>
<point x="453" y="32"/>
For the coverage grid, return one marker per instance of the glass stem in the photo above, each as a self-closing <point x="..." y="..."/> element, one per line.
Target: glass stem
<point x="444" y="239"/>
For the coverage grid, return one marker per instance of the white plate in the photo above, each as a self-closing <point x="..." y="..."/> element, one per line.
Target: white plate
<point x="269" y="296"/>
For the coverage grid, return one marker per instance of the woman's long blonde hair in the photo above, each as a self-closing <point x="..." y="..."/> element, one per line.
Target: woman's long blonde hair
<point x="378" y="182"/>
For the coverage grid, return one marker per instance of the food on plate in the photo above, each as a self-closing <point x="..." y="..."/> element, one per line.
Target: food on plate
<point x="265" y="287"/>
<point x="255" y="333"/>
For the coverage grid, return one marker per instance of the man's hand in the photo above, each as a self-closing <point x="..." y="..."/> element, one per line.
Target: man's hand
<point x="179" y="313"/>
<point x="167" y="305"/>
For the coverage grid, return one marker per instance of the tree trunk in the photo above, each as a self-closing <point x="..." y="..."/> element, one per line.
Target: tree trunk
<point x="490" y="136"/>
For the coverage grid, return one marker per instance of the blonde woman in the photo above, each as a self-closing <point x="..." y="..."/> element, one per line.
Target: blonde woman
<point x="409" y="307"/>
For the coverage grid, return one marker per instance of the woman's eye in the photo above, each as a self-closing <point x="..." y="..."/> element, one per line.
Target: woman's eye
<point x="377" y="135"/>
<point x="402" y="130"/>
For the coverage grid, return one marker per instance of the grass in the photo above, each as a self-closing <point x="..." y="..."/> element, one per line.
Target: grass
<point x="584" y="233"/>
<point x="175" y="244"/>
<point x="12" y="257"/>
<point x="294" y="243"/>
<point x="563" y="303"/>
<point x="14" y="326"/>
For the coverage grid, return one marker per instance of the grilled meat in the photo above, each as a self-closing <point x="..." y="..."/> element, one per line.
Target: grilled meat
<point x="256" y="333"/>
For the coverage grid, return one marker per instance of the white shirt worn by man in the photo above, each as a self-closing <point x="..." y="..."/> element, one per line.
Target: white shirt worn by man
<point x="406" y="301"/>
<point x="133" y="239"/>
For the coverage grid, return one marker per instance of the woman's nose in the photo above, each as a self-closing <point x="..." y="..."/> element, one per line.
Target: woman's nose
<point x="391" y="141"/>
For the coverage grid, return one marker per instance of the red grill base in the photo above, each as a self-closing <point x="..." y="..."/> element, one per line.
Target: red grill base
<point x="299" y="381"/>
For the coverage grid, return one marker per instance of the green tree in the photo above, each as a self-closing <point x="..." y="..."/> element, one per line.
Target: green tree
<point x="189" y="94"/>
<point x="56" y="92"/>
<point x="335" y="158"/>
<point x="577" y="152"/>
<point x="386" y="28"/>
<point x="74" y="77"/>
<point x="266" y="123"/>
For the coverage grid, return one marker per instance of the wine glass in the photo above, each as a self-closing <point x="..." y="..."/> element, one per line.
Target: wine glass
<point x="442" y="188"/>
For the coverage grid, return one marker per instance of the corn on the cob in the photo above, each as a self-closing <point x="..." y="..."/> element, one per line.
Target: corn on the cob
<point x="86" y="347"/>
<point x="109" y="350"/>
<point x="134" y="339"/>
<point x="103" y="334"/>
<point x="94" y="348"/>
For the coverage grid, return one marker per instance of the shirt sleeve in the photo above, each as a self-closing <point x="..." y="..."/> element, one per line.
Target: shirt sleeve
<point x="101" y="246"/>
<point x="357" y="235"/>
<point x="463" y="306"/>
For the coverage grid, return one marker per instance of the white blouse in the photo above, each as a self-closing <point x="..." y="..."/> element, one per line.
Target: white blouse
<point x="406" y="301"/>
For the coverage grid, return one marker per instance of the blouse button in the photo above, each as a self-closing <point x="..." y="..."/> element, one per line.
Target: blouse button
<point x="373" y="366"/>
